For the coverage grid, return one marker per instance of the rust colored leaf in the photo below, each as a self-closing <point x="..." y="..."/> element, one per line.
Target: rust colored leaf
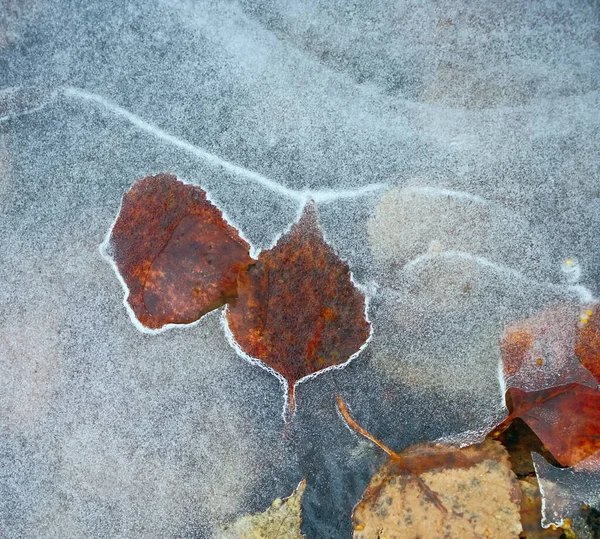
<point x="515" y="347"/>
<point x="177" y="255"/>
<point x="540" y="352"/>
<point x="566" y="419"/>
<point x="297" y="309"/>
<point x="552" y="370"/>
<point x="587" y="347"/>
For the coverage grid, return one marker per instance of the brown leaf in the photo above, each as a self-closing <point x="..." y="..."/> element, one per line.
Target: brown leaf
<point x="475" y="484"/>
<point x="549" y="387"/>
<point x="282" y="520"/>
<point x="539" y="352"/>
<point x="297" y="308"/>
<point x="435" y="490"/>
<point x="177" y="255"/>
<point x="566" y="419"/>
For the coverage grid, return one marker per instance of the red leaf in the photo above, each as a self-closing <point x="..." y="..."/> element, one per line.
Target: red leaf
<point x="566" y="419"/>
<point x="297" y="308"/>
<point x="177" y="255"/>
<point x="539" y="352"/>
<point x="548" y="386"/>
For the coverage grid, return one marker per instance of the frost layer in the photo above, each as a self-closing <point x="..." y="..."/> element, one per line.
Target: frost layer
<point x="264" y="103"/>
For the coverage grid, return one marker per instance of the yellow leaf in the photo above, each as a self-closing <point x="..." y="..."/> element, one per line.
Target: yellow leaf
<point x="280" y="521"/>
<point x="468" y="493"/>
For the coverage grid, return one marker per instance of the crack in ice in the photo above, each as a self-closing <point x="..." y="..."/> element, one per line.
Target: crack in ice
<point x="303" y="196"/>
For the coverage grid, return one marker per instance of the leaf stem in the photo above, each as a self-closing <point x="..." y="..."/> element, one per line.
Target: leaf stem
<point x="396" y="457"/>
<point x="346" y="415"/>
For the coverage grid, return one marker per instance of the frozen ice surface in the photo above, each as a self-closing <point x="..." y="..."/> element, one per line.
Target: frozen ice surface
<point x="566" y="491"/>
<point x="480" y="119"/>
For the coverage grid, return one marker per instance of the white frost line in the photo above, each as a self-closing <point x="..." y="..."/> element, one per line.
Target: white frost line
<point x="330" y="195"/>
<point x="28" y="111"/>
<point x="502" y="384"/>
<point x="9" y="90"/>
<point x="212" y="159"/>
<point x="439" y="192"/>
<point x="545" y="523"/>
<point x="584" y="295"/>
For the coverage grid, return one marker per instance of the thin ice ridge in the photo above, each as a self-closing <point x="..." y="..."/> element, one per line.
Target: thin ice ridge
<point x="13" y="90"/>
<point x="322" y="196"/>
<point x="318" y="196"/>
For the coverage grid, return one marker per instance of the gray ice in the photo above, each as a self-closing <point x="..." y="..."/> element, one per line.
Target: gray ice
<point x="451" y="149"/>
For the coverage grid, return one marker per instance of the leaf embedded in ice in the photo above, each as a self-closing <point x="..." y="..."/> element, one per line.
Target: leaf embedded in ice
<point x="548" y="387"/>
<point x="297" y="309"/>
<point x="566" y="419"/>
<point x="281" y="520"/>
<point x="415" y="219"/>
<point x="540" y="352"/>
<point x="587" y="346"/>
<point x="175" y="252"/>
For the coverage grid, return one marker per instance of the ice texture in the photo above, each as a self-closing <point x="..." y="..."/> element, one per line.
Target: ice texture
<point x="568" y="492"/>
<point x="451" y="150"/>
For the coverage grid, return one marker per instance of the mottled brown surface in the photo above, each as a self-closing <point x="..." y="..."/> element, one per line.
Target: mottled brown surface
<point x="566" y="419"/>
<point x="282" y="520"/>
<point x="587" y="346"/>
<point x="297" y="308"/>
<point x="176" y="253"/>
<point x="475" y="485"/>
